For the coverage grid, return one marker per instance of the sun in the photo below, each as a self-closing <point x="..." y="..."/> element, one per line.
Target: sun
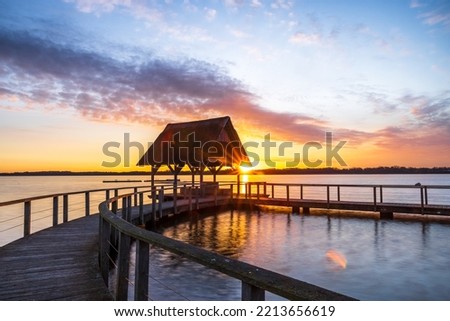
<point x="245" y="169"/>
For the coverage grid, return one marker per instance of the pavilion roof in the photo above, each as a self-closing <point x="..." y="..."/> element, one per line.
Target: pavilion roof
<point x="208" y="143"/>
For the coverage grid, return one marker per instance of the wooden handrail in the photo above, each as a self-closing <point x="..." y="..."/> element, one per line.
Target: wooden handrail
<point x="251" y="276"/>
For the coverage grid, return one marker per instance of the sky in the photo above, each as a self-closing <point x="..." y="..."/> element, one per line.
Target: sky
<point x="77" y="76"/>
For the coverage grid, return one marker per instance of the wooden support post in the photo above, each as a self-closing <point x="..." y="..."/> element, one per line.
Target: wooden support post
<point x="381" y="194"/>
<point x="190" y="198"/>
<point x="238" y="185"/>
<point x="124" y="208"/>
<point x="65" y="208"/>
<point x="26" y="218"/>
<point x="252" y="293"/>
<point x="328" y="196"/>
<point x="105" y="229"/>
<point x="305" y="210"/>
<point x="265" y="189"/>
<point x="55" y="210"/>
<point x="216" y="188"/>
<point x="296" y="209"/>
<point x="197" y="196"/>
<point x="87" y="204"/>
<point x="386" y="215"/>
<point x="114" y="207"/>
<point x="287" y="193"/>
<point x="273" y="191"/>
<point x="301" y="191"/>
<point x="154" y="204"/>
<point x="141" y="271"/>
<point x="421" y="201"/>
<point x="123" y="262"/>
<point x="175" y="194"/>
<point x="141" y="208"/>
<point x="338" y="193"/>
<point x="374" y="198"/>
<point x="107" y="194"/>
<point x="161" y="201"/>
<point x="257" y="190"/>
<point x="231" y="192"/>
<point x="129" y="209"/>
<point x="426" y="195"/>
<point x="135" y="195"/>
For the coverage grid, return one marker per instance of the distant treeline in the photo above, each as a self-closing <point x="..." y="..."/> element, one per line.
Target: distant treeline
<point x="269" y="171"/>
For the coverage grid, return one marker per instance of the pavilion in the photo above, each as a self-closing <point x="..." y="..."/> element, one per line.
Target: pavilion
<point x="204" y="144"/>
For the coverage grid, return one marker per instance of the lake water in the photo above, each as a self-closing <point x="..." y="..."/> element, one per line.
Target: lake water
<point x="366" y="258"/>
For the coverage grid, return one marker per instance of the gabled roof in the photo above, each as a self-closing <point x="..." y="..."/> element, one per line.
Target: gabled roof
<point x="210" y="142"/>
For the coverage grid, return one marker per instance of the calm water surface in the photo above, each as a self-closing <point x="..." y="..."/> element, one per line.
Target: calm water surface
<point x="385" y="260"/>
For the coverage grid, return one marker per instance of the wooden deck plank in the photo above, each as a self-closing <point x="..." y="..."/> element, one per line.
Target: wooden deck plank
<point x="59" y="263"/>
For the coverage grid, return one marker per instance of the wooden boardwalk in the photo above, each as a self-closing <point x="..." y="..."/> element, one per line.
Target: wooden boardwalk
<point x="59" y="263"/>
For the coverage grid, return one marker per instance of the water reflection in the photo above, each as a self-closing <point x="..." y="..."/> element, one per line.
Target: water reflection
<point x="383" y="260"/>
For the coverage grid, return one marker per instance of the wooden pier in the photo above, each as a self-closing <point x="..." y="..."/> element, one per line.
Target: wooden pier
<point x="72" y="258"/>
<point x="59" y="263"/>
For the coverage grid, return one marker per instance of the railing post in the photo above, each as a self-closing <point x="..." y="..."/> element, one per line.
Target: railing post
<point x="257" y="190"/>
<point x="197" y="196"/>
<point x="252" y="293"/>
<point x="338" y="193"/>
<point x="107" y="194"/>
<point x="301" y="191"/>
<point x="426" y="195"/>
<point x="215" y="194"/>
<point x="231" y="191"/>
<point x="55" y="210"/>
<point x="141" y="208"/>
<point x="154" y="204"/>
<point x="26" y="218"/>
<point x="375" y="198"/>
<point x="273" y="191"/>
<point x="161" y="201"/>
<point x="129" y="208"/>
<point x="135" y="190"/>
<point x="328" y="196"/>
<point x="287" y="192"/>
<point x="381" y="193"/>
<point x="124" y="208"/>
<point x="141" y="271"/>
<point x="123" y="261"/>
<point x="65" y="208"/>
<point x="105" y="230"/>
<point x="265" y="189"/>
<point x="87" y="204"/>
<point x="190" y="199"/>
<point x="421" y="200"/>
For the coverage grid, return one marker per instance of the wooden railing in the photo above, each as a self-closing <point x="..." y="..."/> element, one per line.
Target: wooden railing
<point x="333" y="192"/>
<point x="58" y="213"/>
<point x="117" y="234"/>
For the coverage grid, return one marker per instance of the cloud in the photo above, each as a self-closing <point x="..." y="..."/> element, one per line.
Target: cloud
<point x="415" y="4"/>
<point x="210" y="14"/>
<point x="282" y="4"/>
<point x="99" y="6"/>
<point x="154" y="92"/>
<point x="256" y="3"/>
<point x="305" y="39"/>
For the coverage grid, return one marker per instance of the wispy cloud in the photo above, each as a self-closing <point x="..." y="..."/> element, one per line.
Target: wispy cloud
<point x="156" y="91"/>
<point x="305" y="39"/>
<point x="210" y="14"/>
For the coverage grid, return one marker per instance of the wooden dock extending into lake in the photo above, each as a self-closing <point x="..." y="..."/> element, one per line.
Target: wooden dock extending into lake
<point x="59" y="263"/>
<point x="62" y="261"/>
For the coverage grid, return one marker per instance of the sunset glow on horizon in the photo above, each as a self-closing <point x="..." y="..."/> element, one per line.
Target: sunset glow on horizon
<point x="77" y="74"/>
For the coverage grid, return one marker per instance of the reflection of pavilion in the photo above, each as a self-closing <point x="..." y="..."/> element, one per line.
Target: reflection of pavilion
<point x="205" y="144"/>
